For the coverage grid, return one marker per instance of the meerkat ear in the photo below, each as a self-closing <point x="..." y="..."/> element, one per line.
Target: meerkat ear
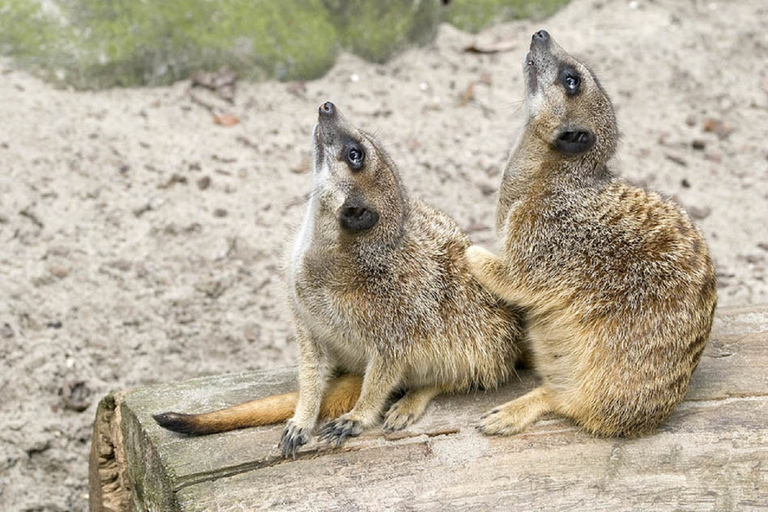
<point x="355" y="215"/>
<point x="574" y="141"/>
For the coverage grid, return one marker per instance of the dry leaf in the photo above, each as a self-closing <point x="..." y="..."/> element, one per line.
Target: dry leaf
<point x="226" y="120"/>
<point x="717" y="127"/>
<point x="468" y="95"/>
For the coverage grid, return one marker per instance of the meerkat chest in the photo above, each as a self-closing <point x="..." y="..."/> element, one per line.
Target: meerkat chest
<point x="323" y="302"/>
<point x="302" y="241"/>
<point x="332" y="323"/>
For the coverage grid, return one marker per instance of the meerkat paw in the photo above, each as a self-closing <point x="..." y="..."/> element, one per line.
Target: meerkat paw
<point x="515" y="416"/>
<point x="398" y="417"/>
<point x="341" y="428"/>
<point x="501" y="422"/>
<point x="488" y="269"/>
<point x="478" y="257"/>
<point x="408" y="409"/>
<point x="293" y="437"/>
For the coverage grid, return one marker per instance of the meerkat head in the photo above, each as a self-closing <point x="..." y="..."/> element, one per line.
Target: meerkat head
<point x="566" y="106"/>
<point x="355" y="180"/>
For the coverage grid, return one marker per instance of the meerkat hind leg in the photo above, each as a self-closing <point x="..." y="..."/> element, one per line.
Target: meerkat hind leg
<point x="409" y="408"/>
<point x="515" y="416"/>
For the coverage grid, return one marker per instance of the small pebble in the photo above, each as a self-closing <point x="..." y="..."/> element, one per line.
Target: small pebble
<point x="487" y="189"/>
<point x="76" y="395"/>
<point x="6" y="331"/>
<point x="204" y="183"/>
<point x="700" y="212"/>
<point x="252" y="333"/>
<point x="59" y="271"/>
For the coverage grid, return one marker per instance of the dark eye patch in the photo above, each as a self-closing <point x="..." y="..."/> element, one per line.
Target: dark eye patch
<point x="355" y="215"/>
<point x="570" y="80"/>
<point x="575" y="141"/>
<point x="354" y="154"/>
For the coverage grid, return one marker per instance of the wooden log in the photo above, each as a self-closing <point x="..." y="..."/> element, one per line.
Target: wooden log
<point x="712" y="454"/>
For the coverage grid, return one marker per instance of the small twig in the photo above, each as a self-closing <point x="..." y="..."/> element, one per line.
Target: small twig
<point x="32" y="217"/>
<point x="197" y="101"/>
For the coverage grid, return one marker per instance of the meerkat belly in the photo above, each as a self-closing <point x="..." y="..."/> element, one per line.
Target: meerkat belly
<point x="349" y="353"/>
<point x="457" y="368"/>
<point x="348" y="349"/>
<point x="556" y="349"/>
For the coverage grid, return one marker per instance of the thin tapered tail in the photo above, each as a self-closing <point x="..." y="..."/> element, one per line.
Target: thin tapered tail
<point x="340" y="397"/>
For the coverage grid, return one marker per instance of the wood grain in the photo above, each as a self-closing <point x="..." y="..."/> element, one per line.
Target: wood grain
<point x="711" y="455"/>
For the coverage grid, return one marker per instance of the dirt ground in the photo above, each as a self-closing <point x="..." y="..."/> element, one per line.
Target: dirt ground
<point x="142" y="242"/>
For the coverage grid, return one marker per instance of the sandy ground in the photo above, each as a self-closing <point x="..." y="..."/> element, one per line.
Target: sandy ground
<point x="142" y="242"/>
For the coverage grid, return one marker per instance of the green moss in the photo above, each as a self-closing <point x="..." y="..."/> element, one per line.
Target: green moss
<point x="105" y="43"/>
<point x="131" y="42"/>
<point x="30" y="34"/>
<point x="376" y="30"/>
<point x="139" y="42"/>
<point x="473" y="15"/>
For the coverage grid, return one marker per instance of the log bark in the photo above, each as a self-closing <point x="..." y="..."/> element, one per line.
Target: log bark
<point x="712" y="454"/>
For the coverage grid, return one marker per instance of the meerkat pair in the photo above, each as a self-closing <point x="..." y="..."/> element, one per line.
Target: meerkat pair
<point x="616" y="284"/>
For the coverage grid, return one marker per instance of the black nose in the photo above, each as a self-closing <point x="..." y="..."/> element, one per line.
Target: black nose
<point x="541" y="35"/>
<point x="327" y="109"/>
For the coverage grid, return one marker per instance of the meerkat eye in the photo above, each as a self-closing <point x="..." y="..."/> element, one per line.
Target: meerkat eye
<point x="570" y="80"/>
<point x="355" y="157"/>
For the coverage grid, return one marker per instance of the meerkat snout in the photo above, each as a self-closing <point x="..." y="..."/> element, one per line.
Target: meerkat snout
<point x="541" y="37"/>
<point x="327" y="109"/>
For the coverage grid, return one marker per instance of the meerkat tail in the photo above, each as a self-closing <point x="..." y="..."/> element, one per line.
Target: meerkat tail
<point x="340" y="397"/>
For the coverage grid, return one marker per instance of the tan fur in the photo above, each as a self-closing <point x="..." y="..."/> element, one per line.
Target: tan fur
<point x="394" y="302"/>
<point x="617" y="282"/>
<point x="340" y="397"/>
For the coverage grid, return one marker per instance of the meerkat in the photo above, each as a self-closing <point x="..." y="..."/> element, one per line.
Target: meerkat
<point x="617" y="283"/>
<point x="379" y="288"/>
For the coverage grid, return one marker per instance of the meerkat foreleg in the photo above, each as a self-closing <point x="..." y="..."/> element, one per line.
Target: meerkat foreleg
<point x="515" y="416"/>
<point x="409" y="408"/>
<point x="381" y="378"/>
<point x="313" y="374"/>
<point x="495" y="276"/>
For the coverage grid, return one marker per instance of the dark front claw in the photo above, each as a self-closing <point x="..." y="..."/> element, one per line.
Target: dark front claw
<point x="293" y="437"/>
<point x="339" y="429"/>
